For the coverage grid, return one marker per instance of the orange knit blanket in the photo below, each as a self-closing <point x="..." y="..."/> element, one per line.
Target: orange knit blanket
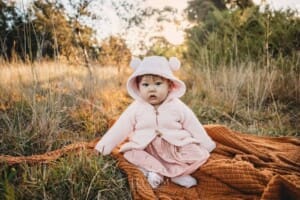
<point x="243" y="166"/>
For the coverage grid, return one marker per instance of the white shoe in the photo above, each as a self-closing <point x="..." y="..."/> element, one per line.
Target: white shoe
<point x="186" y="181"/>
<point x="154" y="179"/>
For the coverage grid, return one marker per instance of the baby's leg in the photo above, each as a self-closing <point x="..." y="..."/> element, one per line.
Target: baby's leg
<point x="153" y="178"/>
<point x="185" y="180"/>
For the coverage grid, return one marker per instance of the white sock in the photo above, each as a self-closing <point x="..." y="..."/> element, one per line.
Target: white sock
<point x="186" y="181"/>
<point x="154" y="179"/>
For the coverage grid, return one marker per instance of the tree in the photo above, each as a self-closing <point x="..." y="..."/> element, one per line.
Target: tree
<point x="82" y="34"/>
<point x="68" y="36"/>
<point x="53" y="32"/>
<point x="115" y="52"/>
<point x="162" y="47"/>
<point x="242" y="34"/>
<point x="13" y="29"/>
<point x="43" y="30"/>
<point x="198" y="10"/>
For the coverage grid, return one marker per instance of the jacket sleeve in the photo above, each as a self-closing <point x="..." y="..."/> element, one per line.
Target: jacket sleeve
<point x="193" y="126"/>
<point x="118" y="132"/>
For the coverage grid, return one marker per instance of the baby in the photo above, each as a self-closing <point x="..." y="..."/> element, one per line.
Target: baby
<point x="165" y="138"/>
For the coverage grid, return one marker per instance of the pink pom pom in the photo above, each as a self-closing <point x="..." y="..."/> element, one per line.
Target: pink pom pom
<point x="174" y="63"/>
<point x="134" y="63"/>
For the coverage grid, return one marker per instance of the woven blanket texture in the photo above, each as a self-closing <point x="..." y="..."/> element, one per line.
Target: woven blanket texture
<point x="243" y="166"/>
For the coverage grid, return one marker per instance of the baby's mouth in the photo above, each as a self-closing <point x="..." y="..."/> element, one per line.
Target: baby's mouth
<point x="152" y="96"/>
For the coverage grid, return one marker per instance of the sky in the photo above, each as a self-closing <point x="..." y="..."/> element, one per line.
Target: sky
<point x="281" y="4"/>
<point x="173" y="33"/>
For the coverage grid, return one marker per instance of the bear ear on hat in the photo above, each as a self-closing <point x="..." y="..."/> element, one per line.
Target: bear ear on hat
<point x="174" y="63"/>
<point x="134" y="63"/>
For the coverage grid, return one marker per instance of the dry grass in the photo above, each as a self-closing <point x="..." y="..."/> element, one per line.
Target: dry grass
<point x="46" y="106"/>
<point x="260" y="101"/>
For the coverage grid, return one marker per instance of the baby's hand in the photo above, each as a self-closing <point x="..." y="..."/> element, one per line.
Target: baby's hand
<point x="101" y="148"/>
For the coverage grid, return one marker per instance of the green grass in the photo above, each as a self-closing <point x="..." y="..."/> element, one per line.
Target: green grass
<point x="73" y="177"/>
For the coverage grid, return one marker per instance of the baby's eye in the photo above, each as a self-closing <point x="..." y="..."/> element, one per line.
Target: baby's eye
<point x="158" y="83"/>
<point x="145" y="84"/>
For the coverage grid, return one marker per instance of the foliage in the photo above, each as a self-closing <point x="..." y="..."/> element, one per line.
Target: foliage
<point x="114" y="52"/>
<point x="54" y="34"/>
<point x="198" y="10"/>
<point x="162" y="47"/>
<point x="12" y="26"/>
<point x="42" y="31"/>
<point x="232" y="36"/>
<point x="67" y="30"/>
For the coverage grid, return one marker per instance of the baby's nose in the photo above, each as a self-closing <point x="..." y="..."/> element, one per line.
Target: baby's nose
<point x="152" y="87"/>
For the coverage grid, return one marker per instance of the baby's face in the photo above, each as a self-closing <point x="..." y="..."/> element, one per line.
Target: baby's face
<point x="154" y="89"/>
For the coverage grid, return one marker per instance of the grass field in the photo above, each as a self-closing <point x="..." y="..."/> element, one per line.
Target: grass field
<point x="45" y="106"/>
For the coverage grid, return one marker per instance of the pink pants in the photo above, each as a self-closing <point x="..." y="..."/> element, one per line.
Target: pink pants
<point x="167" y="159"/>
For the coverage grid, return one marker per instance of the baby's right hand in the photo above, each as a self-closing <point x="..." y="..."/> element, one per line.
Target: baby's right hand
<point x="103" y="149"/>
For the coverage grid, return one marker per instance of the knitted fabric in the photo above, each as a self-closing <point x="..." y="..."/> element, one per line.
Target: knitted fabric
<point x="243" y="166"/>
